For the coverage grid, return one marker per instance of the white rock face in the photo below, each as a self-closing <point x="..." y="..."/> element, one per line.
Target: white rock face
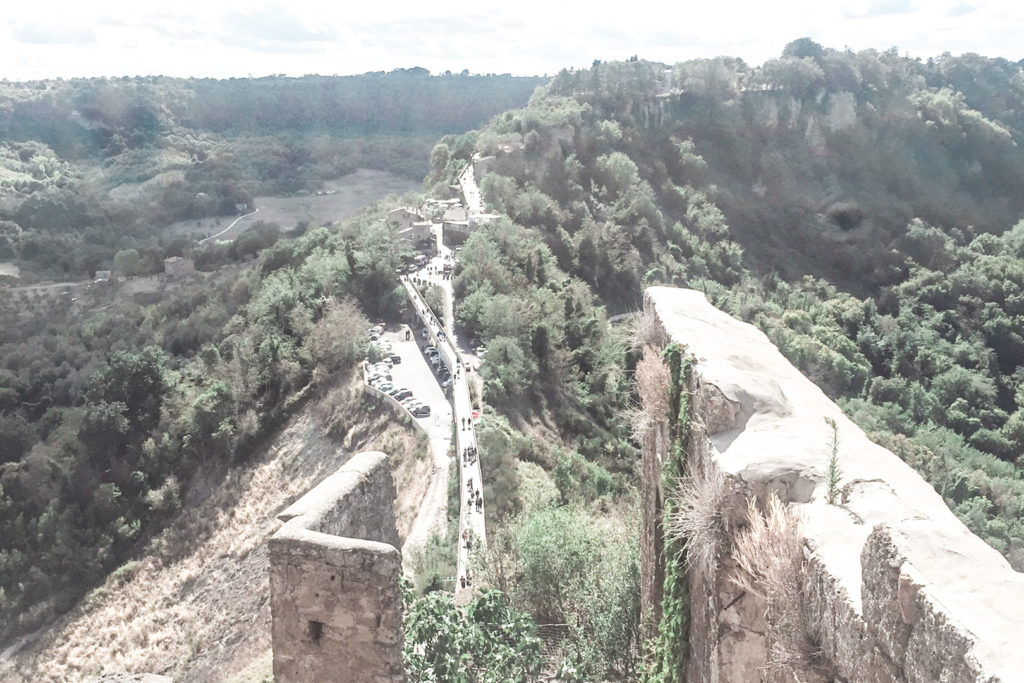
<point x="898" y="588"/>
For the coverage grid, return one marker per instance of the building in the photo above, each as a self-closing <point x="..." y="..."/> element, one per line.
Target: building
<point x="482" y="165"/>
<point x="404" y="217"/>
<point x="456" y="214"/>
<point x="418" y="233"/>
<point x="176" y="266"/>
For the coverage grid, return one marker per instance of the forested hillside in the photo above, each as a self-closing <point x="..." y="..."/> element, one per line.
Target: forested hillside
<point x="90" y="166"/>
<point x="860" y="207"/>
<point x="108" y="411"/>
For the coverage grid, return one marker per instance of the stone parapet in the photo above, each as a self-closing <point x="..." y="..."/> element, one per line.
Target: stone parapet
<point x="895" y="587"/>
<point x="334" y="580"/>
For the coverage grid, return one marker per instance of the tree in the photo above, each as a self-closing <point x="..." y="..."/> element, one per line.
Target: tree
<point x="803" y="47"/>
<point x="135" y="379"/>
<point x="509" y="372"/>
<point x="126" y="262"/>
<point x="556" y="548"/>
<point x="339" y="337"/>
<point x="489" y="642"/>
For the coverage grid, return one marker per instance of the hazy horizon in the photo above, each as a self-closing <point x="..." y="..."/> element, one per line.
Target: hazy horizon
<point x="228" y="38"/>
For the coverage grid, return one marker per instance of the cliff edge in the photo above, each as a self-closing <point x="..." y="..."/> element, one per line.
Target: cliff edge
<point x="893" y="587"/>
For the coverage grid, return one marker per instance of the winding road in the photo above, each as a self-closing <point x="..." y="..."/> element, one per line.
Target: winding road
<point x="244" y="215"/>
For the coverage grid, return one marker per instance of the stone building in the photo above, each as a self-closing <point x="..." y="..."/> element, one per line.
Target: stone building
<point x="176" y="266"/>
<point x="404" y="217"/>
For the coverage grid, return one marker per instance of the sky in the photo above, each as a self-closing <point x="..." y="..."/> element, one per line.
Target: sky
<point x="232" y="38"/>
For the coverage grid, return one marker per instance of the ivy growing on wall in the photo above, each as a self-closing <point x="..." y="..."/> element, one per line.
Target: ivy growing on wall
<point x="672" y="646"/>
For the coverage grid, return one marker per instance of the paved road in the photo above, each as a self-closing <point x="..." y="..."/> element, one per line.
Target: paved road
<point x="414" y="373"/>
<point x="441" y="334"/>
<point x="470" y="191"/>
<point x="472" y="531"/>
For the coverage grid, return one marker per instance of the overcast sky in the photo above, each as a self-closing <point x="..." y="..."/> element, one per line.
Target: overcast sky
<point x="223" y="38"/>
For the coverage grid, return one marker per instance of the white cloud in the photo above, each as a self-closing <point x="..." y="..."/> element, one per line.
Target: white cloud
<point x="51" y="33"/>
<point x="223" y="38"/>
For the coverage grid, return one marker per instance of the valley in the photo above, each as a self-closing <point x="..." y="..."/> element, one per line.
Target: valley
<point x="858" y="211"/>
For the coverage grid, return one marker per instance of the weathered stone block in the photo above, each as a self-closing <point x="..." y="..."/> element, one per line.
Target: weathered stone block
<point x="334" y="580"/>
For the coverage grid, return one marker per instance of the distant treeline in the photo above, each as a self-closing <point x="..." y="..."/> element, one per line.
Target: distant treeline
<point x="86" y="116"/>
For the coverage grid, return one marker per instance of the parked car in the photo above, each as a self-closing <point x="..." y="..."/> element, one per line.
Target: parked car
<point x="394" y="359"/>
<point x="403" y="393"/>
<point x="384" y="386"/>
<point x="430" y="350"/>
<point x="421" y="411"/>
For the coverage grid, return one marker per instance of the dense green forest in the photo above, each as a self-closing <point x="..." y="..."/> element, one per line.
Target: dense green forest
<point x="860" y="207"/>
<point x="91" y="166"/>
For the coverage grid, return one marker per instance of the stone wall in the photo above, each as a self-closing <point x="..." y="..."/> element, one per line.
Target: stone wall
<point x="893" y="588"/>
<point x="334" y="580"/>
<point x="400" y="412"/>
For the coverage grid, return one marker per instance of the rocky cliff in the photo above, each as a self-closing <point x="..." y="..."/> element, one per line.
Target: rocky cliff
<point x="886" y="584"/>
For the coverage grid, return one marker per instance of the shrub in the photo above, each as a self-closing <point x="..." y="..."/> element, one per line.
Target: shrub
<point x="695" y="520"/>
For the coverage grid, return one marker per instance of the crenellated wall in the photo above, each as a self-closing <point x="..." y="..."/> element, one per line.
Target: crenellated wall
<point x="334" y="580"/>
<point x="893" y="587"/>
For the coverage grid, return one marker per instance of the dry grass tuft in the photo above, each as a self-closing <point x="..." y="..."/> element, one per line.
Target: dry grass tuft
<point x="769" y="552"/>
<point x="652" y="382"/>
<point x="770" y="560"/>
<point x="649" y="332"/>
<point x="695" y="519"/>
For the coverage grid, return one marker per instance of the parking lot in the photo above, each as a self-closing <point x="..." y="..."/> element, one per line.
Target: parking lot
<point x="414" y="374"/>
